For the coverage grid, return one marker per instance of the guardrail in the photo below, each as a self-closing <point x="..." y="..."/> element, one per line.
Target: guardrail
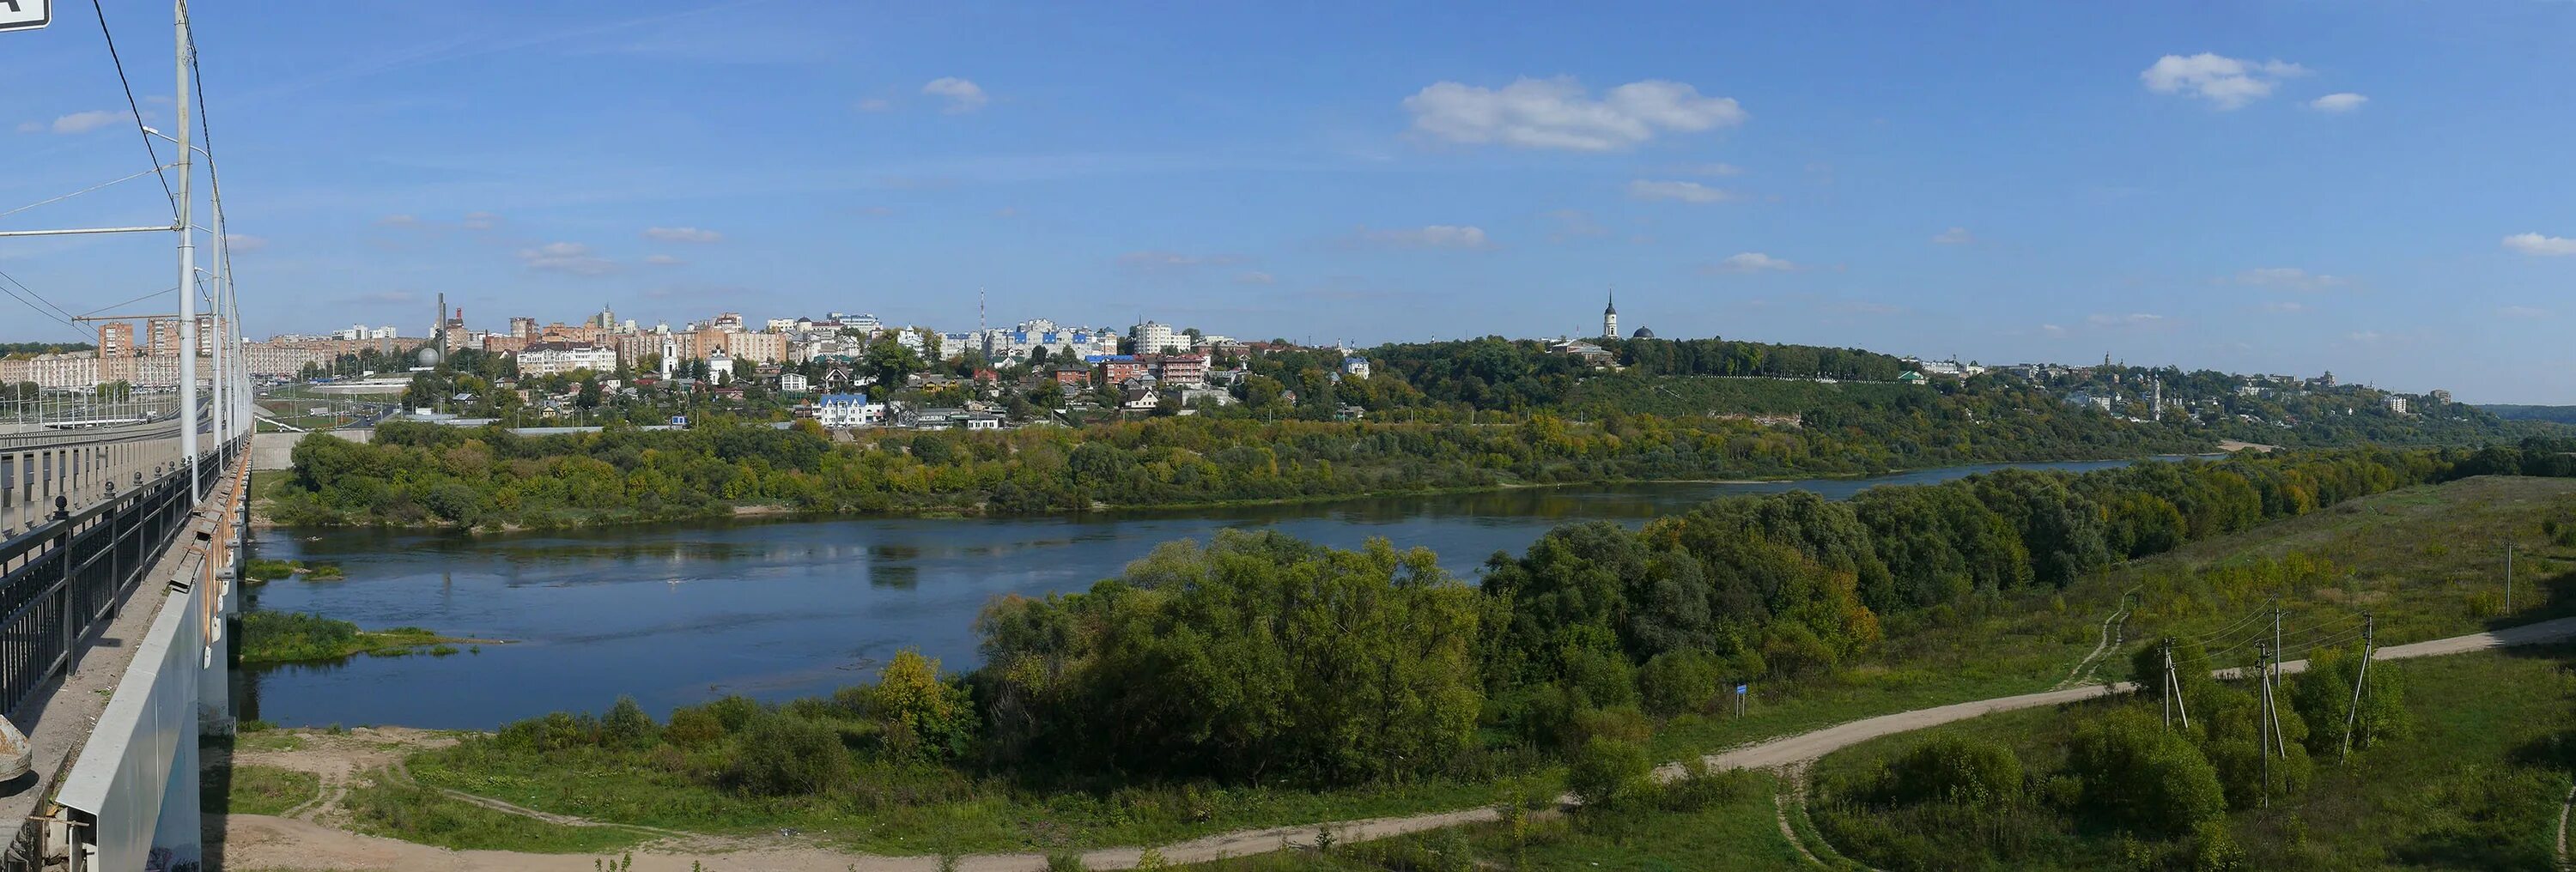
<point x="63" y="578"/>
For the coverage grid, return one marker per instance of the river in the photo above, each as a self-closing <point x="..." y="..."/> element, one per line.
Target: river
<point x="681" y="613"/>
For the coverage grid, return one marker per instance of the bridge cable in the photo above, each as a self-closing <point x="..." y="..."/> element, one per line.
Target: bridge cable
<point x="137" y="108"/>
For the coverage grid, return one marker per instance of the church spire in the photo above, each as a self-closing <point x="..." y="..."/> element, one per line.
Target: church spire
<point x="1610" y="317"/>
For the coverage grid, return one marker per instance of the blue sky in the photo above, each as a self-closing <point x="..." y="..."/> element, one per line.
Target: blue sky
<point x="2164" y="183"/>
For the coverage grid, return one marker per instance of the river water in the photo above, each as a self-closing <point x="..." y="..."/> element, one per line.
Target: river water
<point x="682" y="613"/>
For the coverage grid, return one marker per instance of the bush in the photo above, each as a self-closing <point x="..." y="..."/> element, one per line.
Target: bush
<point x="1607" y="772"/>
<point x="1679" y="681"/>
<point x="785" y="756"/>
<point x="2139" y="776"/>
<point x="627" y="726"/>
<point x="693" y="727"/>
<point x="1956" y="769"/>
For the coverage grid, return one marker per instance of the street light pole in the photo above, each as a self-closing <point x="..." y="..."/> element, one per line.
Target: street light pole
<point x="187" y="262"/>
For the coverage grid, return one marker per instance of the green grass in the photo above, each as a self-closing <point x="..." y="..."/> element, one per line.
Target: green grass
<point x="1737" y="832"/>
<point x="2477" y="785"/>
<point x="266" y="790"/>
<point x="290" y="637"/>
<point x="907" y="810"/>
<point x="422" y="815"/>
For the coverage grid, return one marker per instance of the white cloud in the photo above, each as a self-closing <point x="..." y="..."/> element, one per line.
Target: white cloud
<point x="2544" y="246"/>
<point x="1709" y="169"/>
<point x="2287" y="278"/>
<point x="2225" y="82"/>
<point x="1954" y="236"/>
<point x="2523" y="312"/>
<point x="77" y="122"/>
<point x="1429" y="236"/>
<point x="480" y="221"/>
<point x="682" y="234"/>
<point x="1751" y="262"/>
<point x="2366" y="337"/>
<point x="566" y="257"/>
<point x="1007" y="212"/>
<point x="2285" y="307"/>
<point x="1687" y="192"/>
<point x="1256" y="277"/>
<point x="664" y="260"/>
<point x="2134" y="319"/>
<point x="1560" y="114"/>
<point x="241" y="242"/>
<point x="2343" y="102"/>
<point x="398" y="221"/>
<point x="962" y="96"/>
<point x="2052" y="331"/>
<point x="874" y="104"/>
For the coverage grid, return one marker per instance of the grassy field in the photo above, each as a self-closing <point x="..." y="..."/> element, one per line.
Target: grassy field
<point x="1736" y="831"/>
<point x="257" y="790"/>
<point x="382" y="807"/>
<point x="2476" y="786"/>
<point x="2425" y="561"/>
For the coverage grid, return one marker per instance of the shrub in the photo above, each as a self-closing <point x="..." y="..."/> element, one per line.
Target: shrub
<point x="784" y="756"/>
<point x="1679" y="681"/>
<point x="734" y="712"/>
<point x="627" y="726"/>
<point x="1957" y="769"/>
<point x="2137" y="775"/>
<point x="693" y="727"/>
<point x="924" y="717"/>
<point x="1607" y="771"/>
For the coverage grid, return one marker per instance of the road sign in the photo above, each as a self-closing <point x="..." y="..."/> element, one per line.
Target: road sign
<point x="1739" y="690"/>
<point x="25" y="14"/>
<point x="679" y="420"/>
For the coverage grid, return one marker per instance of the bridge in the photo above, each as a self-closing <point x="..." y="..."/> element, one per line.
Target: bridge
<point x="118" y="594"/>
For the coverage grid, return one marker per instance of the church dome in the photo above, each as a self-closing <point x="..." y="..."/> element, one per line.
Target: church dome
<point x="1642" y="333"/>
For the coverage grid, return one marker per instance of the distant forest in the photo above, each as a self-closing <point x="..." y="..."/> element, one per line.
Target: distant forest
<point x="2553" y="414"/>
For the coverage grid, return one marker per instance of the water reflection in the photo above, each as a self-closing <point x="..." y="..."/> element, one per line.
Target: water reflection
<point x="677" y="614"/>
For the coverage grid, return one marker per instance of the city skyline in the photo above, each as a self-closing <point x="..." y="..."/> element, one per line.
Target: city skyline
<point x="2257" y="189"/>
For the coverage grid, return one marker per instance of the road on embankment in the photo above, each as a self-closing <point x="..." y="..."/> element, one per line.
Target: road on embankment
<point x="256" y="842"/>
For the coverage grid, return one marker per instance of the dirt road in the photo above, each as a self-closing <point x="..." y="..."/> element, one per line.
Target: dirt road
<point x="257" y="842"/>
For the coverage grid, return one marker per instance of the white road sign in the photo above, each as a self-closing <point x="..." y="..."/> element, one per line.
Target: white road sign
<point x="25" y="14"/>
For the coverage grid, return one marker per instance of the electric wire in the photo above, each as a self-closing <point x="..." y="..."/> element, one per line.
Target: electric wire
<point x="126" y="302"/>
<point x="137" y="108"/>
<point x="82" y="191"/>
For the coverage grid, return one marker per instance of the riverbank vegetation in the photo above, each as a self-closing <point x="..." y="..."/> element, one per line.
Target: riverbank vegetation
<point x="2454" y="771"/>
<point x="1256" y="679"/>
<point x="292" y="637"/>
<point x="261" y="570"/>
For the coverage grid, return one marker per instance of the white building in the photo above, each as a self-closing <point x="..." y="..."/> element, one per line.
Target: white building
<point x="793" y="383"/>
<point x="2397" y="404"/>
<point x="386" y="332"/>
<point x="844" y="411"/>
<point x="719" y="368"/>
<point x="1152" y="337"/>
<point x="1356" y="366"/>
<point x="557" y="358"/>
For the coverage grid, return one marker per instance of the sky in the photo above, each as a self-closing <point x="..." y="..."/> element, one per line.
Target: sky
<point x="2379" y="189"/>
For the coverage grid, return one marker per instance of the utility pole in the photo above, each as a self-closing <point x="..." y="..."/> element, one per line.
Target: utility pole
<point x="2263" y="724"/>
<point x="2167" y="648"/>
<point x="2352" y="716"/>
<point x="187" y="262"/>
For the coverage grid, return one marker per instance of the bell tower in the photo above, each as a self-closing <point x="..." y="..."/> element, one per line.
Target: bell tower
<point x="1610" y="318"/>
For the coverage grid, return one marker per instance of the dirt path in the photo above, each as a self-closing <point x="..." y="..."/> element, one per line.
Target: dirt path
<point x="254" y="841"/>
<point x="2114" y="628"/>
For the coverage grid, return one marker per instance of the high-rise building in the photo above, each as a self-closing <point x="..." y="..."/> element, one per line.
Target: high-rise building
<point x="523" y="327"/>
<point x="115" y="339"/>
<point x="1153" y="337"/>
<point x="161" y="336"/>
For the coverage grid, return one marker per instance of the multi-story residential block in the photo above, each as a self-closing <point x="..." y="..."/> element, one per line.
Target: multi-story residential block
<point x="1155" y="337"/>
<point x="557" y="358"/>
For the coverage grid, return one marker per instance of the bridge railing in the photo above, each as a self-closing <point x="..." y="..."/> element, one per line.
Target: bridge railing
<point x="64" y="577"/>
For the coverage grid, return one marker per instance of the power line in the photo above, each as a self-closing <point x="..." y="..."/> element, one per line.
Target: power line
<point x="65" y="314"/>
<point x="77" y="193"/>
<point x="127" y="302"/>
<point x="134" y="107"/>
